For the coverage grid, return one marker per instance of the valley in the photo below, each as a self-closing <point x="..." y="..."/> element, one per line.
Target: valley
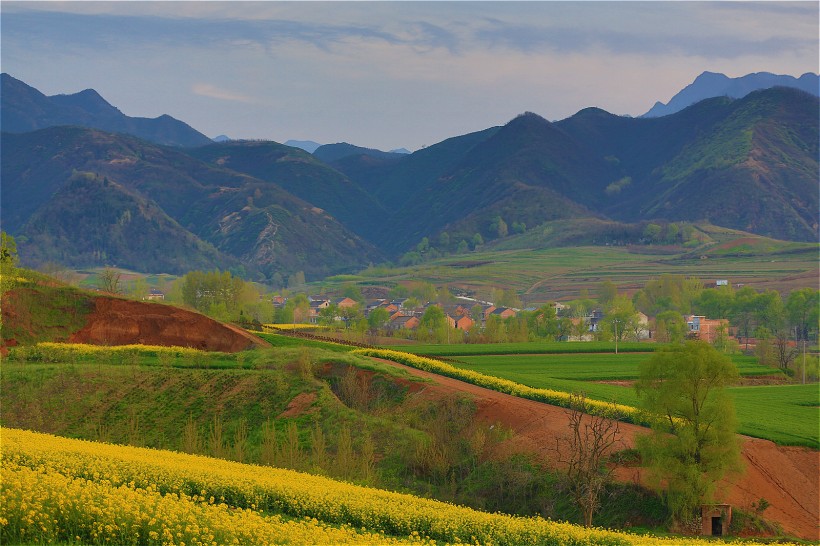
<point x="593" y="330"/>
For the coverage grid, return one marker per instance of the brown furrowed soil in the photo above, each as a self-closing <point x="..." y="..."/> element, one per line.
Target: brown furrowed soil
<point x="121" y="322"/>
<point x="787" y="477"/>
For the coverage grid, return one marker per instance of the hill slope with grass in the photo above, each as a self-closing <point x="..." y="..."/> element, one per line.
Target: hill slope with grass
<point x="40" y="309"/>
<point x="190" y="214"/>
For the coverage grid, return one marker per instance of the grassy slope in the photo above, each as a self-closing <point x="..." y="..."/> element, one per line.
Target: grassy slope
<point x="562" y="273"/>
<point x="42" y="309"/>
<point x="147" y="400"/>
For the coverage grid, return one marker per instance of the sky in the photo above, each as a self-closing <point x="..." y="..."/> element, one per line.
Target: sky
<point x="389" y="75"/>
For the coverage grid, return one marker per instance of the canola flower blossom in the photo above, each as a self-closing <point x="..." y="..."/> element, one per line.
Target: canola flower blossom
<point x="47" y="351"/>
<point x="58" y="489"/>
<point x="548" y="396"/>
<point x="274" y="327"/>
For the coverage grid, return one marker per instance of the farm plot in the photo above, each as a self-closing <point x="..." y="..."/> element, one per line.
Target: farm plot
<point x="60" y="490"/>
<point x="786" y="414"/>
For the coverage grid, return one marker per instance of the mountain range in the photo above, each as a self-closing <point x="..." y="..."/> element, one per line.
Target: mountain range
<point x="24" y="108"/>
<point x="711" y="84"/>
<point x="89" y="196"/>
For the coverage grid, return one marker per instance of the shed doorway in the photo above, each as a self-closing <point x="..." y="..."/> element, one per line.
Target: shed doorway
<point x="717" y="526"/>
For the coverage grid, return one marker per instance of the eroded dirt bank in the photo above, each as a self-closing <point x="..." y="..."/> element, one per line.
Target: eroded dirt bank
<point x="787" y="477"/>
<point x="121" y="322"/>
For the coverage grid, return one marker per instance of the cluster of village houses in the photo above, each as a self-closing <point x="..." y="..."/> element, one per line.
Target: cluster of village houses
<point x="460" y="315"/>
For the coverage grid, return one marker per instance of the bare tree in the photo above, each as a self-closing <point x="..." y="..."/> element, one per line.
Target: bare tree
<point x="584" y="451"/>
<point x="110" y="280"/>
<point x="785" y="352"/>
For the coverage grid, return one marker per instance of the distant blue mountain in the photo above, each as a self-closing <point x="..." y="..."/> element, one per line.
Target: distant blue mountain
<point x="222" y="138"/>
<point x="710" y="84"/>
<point x="334" y="152"/>
<point x="307" y="145"/>
<point x="25" y="109"/>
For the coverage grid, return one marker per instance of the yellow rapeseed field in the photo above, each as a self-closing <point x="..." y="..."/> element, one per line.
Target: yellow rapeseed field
<point x="61" y="490"/>
<point x="78" y="351"/>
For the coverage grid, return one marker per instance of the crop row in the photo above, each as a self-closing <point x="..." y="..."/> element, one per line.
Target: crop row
<point x="548" y="396"/>
<point x="529" y="347"/>
<point x="57" y="485"/>
<point x="61" y="352"/>
<point x="42" y="506"/>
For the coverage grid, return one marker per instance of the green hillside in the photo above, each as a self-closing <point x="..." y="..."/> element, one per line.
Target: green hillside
<point x="190" y="204"/>
<point x="313" y="410"/>
<point x="299" y="173"/>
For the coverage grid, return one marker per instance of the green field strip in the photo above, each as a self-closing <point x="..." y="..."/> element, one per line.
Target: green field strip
<point x="784" y="414"/>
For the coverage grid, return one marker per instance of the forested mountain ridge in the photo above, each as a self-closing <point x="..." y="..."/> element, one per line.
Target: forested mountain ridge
<point x="302" y="175"/>
<point x="226" y="218"/>
<point x="749" y="164"/>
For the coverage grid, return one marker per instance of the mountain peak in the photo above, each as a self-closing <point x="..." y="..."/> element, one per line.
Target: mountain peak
<point x="712" y="84"/>
<point x="24" y="109"/>
<point x="88" y="100"/>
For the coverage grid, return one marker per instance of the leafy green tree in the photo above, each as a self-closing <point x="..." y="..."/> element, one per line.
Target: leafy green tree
<point x="498" y="227"/>
<point x="715" y="303"/>
<point x="478" y="240"/>
<point x="670" y="327"/>
<point x="327" y="316"/>
<point x="517" y="330"/>
<point x="433" y="325"/>
<point x="607" y="291"/>
<point x="672" y="232"/>
<point x="351" y="316"/>
<point x="8" y="249"/>
<point x="353" y="292"/>
<point x="207" y="291"/>
<point x="682" y="392"/>
<point x="668" y="293"/>
<point x="802" y="309"/>
<point x="296" y="280"/>
<point x="8" y="261"/>
<point x="298" y="306"/>
<point x="410" y="258"/>
<point x="495" y="331"/>
<point x="378" y="318"/>
<point x="462" y="247"/>
<point x="744" y="311"/>
<point x="543" y="322"/>
<point x="620" y="319"/>
<point x="444" y="240"/>
<point x="423" y="246"/>
<point x="652" y="232"/>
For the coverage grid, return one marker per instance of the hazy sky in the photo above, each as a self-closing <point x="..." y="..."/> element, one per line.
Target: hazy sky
<point x="393" y="74"/>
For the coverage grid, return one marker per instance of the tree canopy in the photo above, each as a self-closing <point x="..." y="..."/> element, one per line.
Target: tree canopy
<point x="682" y="390"/>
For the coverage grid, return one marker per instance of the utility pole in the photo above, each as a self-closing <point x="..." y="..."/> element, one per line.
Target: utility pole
<point x="804" y="360"/>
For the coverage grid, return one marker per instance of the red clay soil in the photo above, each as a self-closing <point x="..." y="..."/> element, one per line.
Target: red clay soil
<point x="122" y="322"/>
<point x="787" y="477"/>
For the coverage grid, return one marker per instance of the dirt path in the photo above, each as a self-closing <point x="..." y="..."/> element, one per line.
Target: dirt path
<point x="787" y="477"/>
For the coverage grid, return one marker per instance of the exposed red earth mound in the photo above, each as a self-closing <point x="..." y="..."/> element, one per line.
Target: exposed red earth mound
<point x="787" y="477"/>
<point x="121" y="322"/>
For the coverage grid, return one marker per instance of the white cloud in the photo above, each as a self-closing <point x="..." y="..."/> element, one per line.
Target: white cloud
<point x="214" y="92"/>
